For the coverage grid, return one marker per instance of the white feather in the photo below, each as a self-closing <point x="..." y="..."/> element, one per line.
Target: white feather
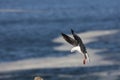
<point x="77" y="48"/>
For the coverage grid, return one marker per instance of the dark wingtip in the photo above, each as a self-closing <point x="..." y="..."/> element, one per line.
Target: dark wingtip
<point x="62" y="34"/>
<point x="72" y="31"/>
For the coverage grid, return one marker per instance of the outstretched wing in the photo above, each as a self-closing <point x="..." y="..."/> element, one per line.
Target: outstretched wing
<point x="79" y="41"/>
<point x="69" y="40"/>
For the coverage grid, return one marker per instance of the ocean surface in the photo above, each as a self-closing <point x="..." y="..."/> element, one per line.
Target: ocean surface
<point x="27" y="28"/>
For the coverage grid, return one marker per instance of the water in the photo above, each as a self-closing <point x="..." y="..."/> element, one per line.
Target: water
<point x="27" y="27"/>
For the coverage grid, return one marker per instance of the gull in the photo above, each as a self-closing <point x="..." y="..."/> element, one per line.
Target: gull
<point x="78" y="45"/>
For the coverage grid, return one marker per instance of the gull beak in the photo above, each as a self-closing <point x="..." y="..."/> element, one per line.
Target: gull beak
<point x="84" y="61"/>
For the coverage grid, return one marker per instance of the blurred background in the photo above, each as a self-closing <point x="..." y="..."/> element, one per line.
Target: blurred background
<point x="31" y="43"/>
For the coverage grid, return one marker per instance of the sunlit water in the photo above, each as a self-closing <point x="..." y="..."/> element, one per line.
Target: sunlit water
<point x="27" y="27"/>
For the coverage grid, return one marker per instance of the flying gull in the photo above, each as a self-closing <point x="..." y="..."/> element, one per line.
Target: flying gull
<point x="78" y="45"/>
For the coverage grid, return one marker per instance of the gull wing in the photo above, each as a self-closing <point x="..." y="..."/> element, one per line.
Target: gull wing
<point x="79" y="41"/>
<point x="69" y="40"/>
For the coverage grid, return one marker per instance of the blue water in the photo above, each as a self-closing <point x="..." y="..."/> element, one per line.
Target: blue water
<point x="27" y="27"/>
